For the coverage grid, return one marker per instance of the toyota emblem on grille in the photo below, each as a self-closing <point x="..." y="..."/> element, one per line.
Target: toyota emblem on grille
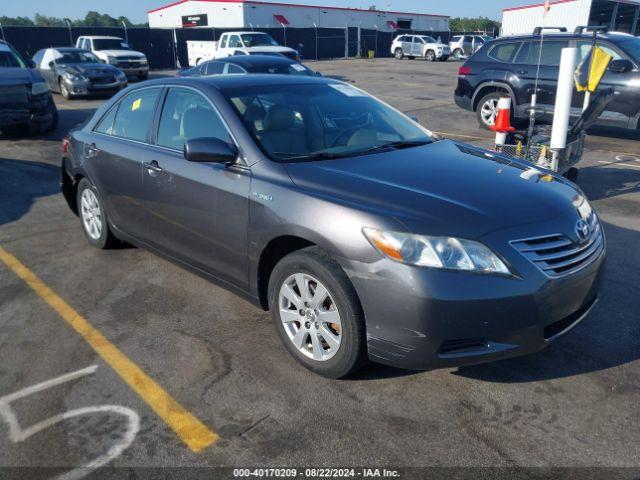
<point x="582" y="230"/>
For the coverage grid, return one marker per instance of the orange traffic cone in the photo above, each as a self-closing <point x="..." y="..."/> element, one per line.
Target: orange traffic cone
<point x="502" y="125"/>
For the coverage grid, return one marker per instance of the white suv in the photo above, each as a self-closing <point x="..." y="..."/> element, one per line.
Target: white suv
<point x="419" y="46"/>
<point x="114" y="51"/>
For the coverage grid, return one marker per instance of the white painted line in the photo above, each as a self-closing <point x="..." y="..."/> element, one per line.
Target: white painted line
<point x="620" y="164"/>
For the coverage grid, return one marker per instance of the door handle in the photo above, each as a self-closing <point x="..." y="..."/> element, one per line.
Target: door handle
<point x="522" y="72"/>
<point x="152" y="167"/>
<point x="91" y="150"/>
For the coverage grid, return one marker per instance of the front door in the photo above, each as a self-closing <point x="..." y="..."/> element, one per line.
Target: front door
<point x="196" y="212"/>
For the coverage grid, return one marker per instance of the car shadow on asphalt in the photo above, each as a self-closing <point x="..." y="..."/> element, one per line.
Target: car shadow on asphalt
<point x="600" y="182"/>
<point x="23" y="182"/>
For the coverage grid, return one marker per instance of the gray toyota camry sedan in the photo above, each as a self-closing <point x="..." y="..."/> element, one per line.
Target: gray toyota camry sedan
<point x="365" y="235"/>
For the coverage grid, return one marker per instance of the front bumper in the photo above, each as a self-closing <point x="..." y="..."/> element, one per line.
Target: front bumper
<point x="39" y="114"/>
<point x="85" y="88"/>
<point x="421" y="318"/>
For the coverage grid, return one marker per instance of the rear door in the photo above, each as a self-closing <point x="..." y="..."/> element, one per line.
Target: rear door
<point x="115" y="155"/>
<point x="527" y="68"/>
<point x="196" y="212"/>
<point x="407" y="45"/>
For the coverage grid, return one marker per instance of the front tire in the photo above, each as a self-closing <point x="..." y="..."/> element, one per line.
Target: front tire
<point x="64" y="91"/>
<point x="399" y="54"/>
<point x="317" y="313"/>
<point x="93" y="216"/>
<point x="458" y="54"/>
<point x="430" y="56"/>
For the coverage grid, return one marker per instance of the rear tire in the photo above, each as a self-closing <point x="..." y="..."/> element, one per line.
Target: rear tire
<point x="93" y="217"/>
<point x="336" y="320"/>
<point x="398" y="53"/>
<point x="143" y="77"/>
<point x="487" y="109"/>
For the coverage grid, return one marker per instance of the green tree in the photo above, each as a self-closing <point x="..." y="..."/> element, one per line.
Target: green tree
<point x="481" y="24"/>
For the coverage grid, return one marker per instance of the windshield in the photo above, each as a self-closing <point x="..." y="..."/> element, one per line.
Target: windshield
<point x="9" y="59"/>
<point x="632" y="47"/>
<point x="258" y="40"/>
<point x="321" y="121"/>
<point x="109" y="44"/>
<point x="292" y="69"/>
<point x="76" y="57"/>
<point x="429" y="39"/>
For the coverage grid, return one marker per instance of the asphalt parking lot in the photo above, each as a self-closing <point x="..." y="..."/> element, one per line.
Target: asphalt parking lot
<point x="219" y="360"/>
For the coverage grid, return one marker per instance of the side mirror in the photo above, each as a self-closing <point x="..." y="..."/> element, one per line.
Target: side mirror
<point x="31" y="63"/>
<point x="210" y="150"/>
<point x="620" y="66"/>
<point x="318" y="74"/>
<point x="52" y="64"/>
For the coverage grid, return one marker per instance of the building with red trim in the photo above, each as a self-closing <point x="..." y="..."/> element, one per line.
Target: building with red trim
<point x="248" y="14"/>
<point x="617" y="15"/>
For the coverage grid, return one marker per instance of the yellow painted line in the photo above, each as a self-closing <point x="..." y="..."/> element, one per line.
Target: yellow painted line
<point x="446" y="134"/>
<point x="190" y="430"/>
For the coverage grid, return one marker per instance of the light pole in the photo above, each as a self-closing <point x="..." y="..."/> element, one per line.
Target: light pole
<point x="126" y="33"/>
<point x="2" y="32"/>
<point x="70" y="34"/>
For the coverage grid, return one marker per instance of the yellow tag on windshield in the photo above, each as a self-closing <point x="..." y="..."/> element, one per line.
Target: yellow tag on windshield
<point x="136" y="105"/>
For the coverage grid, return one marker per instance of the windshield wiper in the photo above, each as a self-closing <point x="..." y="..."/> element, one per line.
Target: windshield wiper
<point x="397" y="145"/>
<point x="322" y="155"/>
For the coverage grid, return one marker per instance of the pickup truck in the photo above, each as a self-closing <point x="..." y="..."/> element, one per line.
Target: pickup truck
<point x="237" y="43"/>
<point x="115" y="51"/>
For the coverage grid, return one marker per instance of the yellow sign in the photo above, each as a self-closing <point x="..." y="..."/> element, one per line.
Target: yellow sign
<point x="591" y="70"/>
<point x="136" y="105"/>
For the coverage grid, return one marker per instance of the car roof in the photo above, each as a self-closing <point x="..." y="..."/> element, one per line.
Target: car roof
<point x="221" y="82"/>
<point x="567" y="36"/>
<point x="101" y="37"/>
<point x="68" y="49"/>
<point x="246" y="32"/>
<point x="249" y="60"/>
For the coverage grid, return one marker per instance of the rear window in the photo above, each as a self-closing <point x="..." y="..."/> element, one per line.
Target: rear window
<point x="504" y="52"/>
<point x="135" y="114"/>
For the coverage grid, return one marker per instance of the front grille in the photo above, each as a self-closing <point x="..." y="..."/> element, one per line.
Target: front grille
<point x="14" y="96"/>
<point x="560" y="326"/>
<point x="102" y="80"/>
<point x="557" y="255"/>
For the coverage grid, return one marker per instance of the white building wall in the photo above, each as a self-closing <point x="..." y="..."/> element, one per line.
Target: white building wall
<point x="221" y="15"/>
<point x="261" y="15"/>
<point x="563" y="13"/>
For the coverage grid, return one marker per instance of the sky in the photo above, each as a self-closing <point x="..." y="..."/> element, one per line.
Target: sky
<point x="136" y="10"/>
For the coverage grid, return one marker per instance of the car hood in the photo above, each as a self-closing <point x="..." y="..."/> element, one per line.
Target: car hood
<point x="444" y="188"/>
<point x="88" y="68"/>
<point x="121" y="53"/>
<point x="437" y="45"/>
<point x="18" y="76"/>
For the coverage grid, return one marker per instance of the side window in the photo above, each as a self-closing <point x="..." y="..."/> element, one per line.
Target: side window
<point x="234" y="42"/>
<point x="456" y="39"/>
<point x="135" y="115"/>
<point x="234" y="70"/>
<point x="551" y="52"/>
<point x="186" y="115"/>
<point x="223" y="42"/>
<point x="215" y="68"/>
<point x="106" y="124"/>
<point x="504" y="52"/>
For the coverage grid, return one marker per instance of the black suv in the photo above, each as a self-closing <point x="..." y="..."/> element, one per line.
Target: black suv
<point x="508" y="66"/>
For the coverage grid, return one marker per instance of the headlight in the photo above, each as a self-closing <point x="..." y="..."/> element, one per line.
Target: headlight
<point x="121" y="75"/>
<point x="38" y="88"/>
<point x="437" y="252"/>
<point x="144" y="60"/>
<point x="74" y="77"/>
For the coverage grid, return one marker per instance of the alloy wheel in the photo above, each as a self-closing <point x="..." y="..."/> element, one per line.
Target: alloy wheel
<point x="310" y="317"/>
<point x="489" y="111"/>
<point x="91" y="214"/>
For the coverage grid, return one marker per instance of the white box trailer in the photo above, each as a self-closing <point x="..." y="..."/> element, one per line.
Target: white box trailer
<point x="620" y="16"/>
